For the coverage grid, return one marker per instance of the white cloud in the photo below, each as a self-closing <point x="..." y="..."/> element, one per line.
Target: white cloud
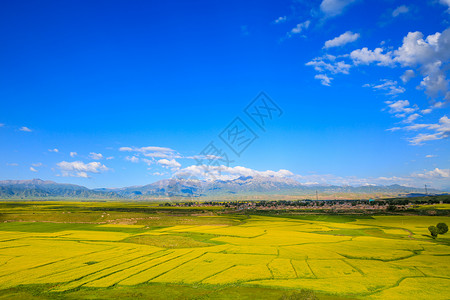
<point x="390" y="86"/>
<point x="148" y="161"/>
<point x="2" y="125"/>
<point x="169" y="163"/>
<point x="407" y="76"/>
<point x="400" y="108"/>
<point x="298" y="28"/>
<point x="53" y="150"/>
<point x="435" y="81"/>
<point x="110" y="157"/>
<point x="345" y="38"/>
<point x="228" y="173"/>
<point x="430" y="156"/>
<point x="146" y="149"/>
<point x="324" y="79"/>
<point x="133" y="159"/>
<point x="12" y="164"/>
<point x="403" y="9"/>
<point x="329" y="63"/>
<point x="416" y="50"/>
<point x="33" y="169"/>
<point x="411" y="118"/>
<point x="159" y="152"/>
<point x="439" y="176"/>
<point x="439" y="131"/>
<point x="37" y="165"/>
<point x="96" y="156"/>
<point x="433" y="174"/>
<point x="149" y="155"/>
<point x="280" y="20"/>
<point x="159" y="173"/>
<point x="365" y="56"/>
<point x="430" y="56"/>
<point x="332" y="8"/>
<point x="25" y="129"/>
<point x="438" y="104"/>
<point x="73" y="154"/>
<point x="125" y="149"/>
<point x="424" y="137"/>
<point x="80" y="169"/>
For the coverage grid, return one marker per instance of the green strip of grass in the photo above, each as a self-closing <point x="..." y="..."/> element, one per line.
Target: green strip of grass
<point x="162" y="291"/>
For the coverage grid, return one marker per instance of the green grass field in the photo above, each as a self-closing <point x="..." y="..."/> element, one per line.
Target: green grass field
<point x="80" y="250"/>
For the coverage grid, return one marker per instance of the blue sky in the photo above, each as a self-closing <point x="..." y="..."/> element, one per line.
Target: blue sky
<point x="116" y="93"/>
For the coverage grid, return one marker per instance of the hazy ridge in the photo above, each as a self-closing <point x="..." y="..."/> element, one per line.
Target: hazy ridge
<point x="257" y="187"/>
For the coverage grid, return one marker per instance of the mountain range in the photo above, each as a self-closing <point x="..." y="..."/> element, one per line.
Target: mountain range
<point x="250" y="187"/>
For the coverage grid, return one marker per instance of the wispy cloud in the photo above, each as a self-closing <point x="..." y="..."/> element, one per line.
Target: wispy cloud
<point x="332" y="8"/>
<point x="407" y="76"/>
<point x="159" y="173"/>
<point x="280" y="20"/>
<point x="401" y="108"/>
<point x="298" y="29"/>
<point x="411" y="118"/>
<point x="96" y="156"/>
<point x="390" y="86"/>
<point x="329" y="63"/>
<point x="343" y="39"/>
<point x="55" y="150"/>
<point x="25" y="129"/>
<point x="402" y="9"/>
<point x="324" y="79"/>
<point x="151" y="151"/>
<point x="133" y="159"/>
<point x="436" y="131"/>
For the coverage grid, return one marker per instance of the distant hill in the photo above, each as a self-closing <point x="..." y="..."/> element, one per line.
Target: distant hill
<point x="37" y="188"/>
<point x="257" y="187"/>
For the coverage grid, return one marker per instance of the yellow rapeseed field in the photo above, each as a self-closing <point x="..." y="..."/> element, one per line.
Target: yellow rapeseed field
<point x="385" y="257"/>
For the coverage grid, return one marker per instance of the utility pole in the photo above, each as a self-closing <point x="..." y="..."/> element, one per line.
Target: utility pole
<point x="426" y="190"/>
